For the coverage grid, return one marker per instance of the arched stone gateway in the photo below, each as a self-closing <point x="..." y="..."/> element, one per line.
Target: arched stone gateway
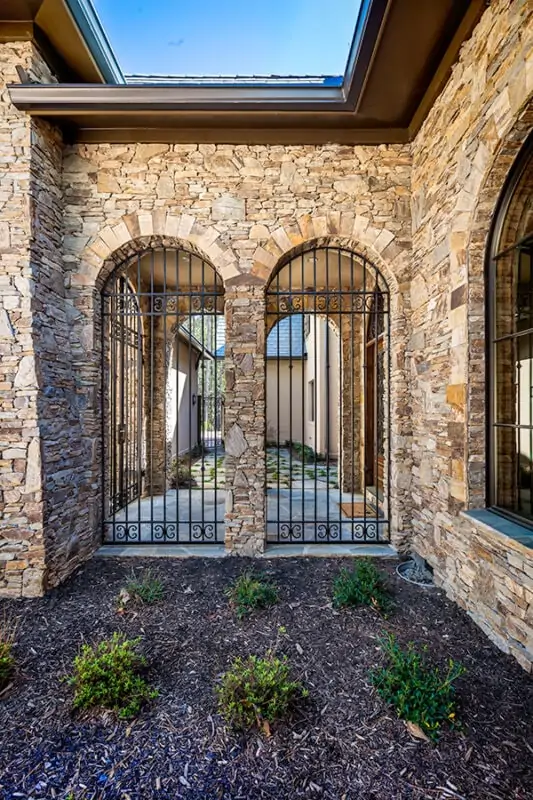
<point x="242" y="478"/>
<point x="327" y="377"/>
<point x="162" y="394"/>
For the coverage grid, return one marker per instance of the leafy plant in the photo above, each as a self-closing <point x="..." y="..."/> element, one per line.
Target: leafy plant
<point x="146" y="588"/>
<point x="362" y="585"/>
<point x="8" y="629"/>
<point x="251" y="591"/>
<point x="180" y="473"/>
<point x="420" y="692"/>
<point x="258" y="691"/>
<point x="109" y="675"/>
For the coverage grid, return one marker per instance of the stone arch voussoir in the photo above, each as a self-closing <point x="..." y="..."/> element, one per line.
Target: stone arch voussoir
<point x="138" y="231"/>
<point x="352" y="231"/>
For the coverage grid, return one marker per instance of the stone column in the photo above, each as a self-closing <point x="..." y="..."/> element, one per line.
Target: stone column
<point x="352" y="389"/>
<point x="155" y="384"/>
<point x="244" y="417"/>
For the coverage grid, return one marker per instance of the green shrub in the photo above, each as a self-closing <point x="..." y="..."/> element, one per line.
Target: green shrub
<point x="7" y="663"/>
<point x="305" y="453"/>
<point x="180" y="473"/>
<point x="109" y="675"/>
<point x="258" y="691"/>
<point x="145" y="589"/>
<point x="250" y="592"/>
<point x="419" y="692"/>
<point x="8" y="629"/>
<point x="363" y="585"/>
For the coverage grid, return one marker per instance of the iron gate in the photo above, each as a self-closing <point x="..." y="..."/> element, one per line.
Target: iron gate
<point x="327" y="389"/>
<point x="163" y="382"/>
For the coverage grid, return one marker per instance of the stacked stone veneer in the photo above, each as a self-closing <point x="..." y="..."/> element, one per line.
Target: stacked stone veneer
<point x="419" y="212"/>
<point x="461" y="157"/>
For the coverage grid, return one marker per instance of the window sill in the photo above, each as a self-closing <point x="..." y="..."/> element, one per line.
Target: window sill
<point x="501" y="527"/>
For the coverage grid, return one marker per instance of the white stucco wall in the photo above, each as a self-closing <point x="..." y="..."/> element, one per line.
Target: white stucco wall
<point x="182" y="384"/>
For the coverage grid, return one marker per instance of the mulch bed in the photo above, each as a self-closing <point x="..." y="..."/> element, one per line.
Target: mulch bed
<point x="341" y="743"/>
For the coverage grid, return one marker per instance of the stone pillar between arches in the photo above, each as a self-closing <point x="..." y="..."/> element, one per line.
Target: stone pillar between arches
<point x="244" y="420"/>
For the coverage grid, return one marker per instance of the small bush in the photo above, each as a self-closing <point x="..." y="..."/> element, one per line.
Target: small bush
<point x="8" y="629"/>
<point x="419" y="692"/>
<point x="250" y="592"/>
<point x="180" y="473"/>
<point x="258" y="691"/>
<point x="145" y="589"/>
<point x="361" y="586"/>
<point x="109" y="675"/>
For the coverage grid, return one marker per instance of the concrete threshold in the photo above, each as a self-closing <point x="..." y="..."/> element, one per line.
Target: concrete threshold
<point x="162" y="551"/>
<point x="330" y="550"/>
<point x="219" y="551"/>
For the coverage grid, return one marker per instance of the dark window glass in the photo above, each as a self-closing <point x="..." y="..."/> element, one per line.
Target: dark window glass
<point x="512" y="382"/>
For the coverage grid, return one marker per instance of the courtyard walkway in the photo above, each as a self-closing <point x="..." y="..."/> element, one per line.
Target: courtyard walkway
<point x="304" y="504"/>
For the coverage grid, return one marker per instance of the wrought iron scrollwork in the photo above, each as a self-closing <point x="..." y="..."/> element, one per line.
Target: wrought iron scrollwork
<point x="291" y="530"/>
<point x="365" y="531"/>
<point x="328" y="531"/>
<point x="165" y="532"/>
<point x="127" y="532"/>
<point x="203" y="532"/>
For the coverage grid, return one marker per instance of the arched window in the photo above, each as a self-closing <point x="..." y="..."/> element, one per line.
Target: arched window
<point x="510" y="338"/>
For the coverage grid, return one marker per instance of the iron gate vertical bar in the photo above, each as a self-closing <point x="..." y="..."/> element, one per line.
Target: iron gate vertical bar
<point x="328" y="387"/>
<point x="365" y="394"/>
<point x="190" y="527"/>
<point x="517" y="371"/>
<point x="104" y="408"/>
<point x="530" y="419"/>
<point x="276" y="330"/>
<point x="124" y="399"/>
<point x="387" y="372"/>
<point x="176" y="345"/>
<point x="377" y="394"/>
<point x="202" y="363"/>
<point x="340" y="390"/>
<point x="164" y="390"/>
<point x="304" y="399"/>
<point x="152" y="371"/>
<point x="352" y="319"/>
<point x="315" y="391"/>
<point x="114" y="489"/>
<point x="292" y="527"/>
<point x="213" y="348"/>
<point x="140" y="393"/>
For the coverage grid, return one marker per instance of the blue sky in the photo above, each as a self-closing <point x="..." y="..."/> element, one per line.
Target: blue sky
<point x="230" y="37"/>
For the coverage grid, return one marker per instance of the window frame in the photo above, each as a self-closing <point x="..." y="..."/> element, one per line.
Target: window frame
<point x="494" y="252"/>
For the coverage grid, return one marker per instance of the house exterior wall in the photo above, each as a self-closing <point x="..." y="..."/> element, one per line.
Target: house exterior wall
<point x="420" y="212"/>
<point x="289" y="401"/>
<point x="245" y="210"/>
<point x="461" y="157"/>
<point x="326" y="410"/>
<point x="182" y="385"/>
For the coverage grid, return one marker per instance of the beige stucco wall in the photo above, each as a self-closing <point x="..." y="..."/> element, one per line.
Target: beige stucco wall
<point x="327" y="391"/>
<point x="182" y="384"/>
<point x="288" y="400"/>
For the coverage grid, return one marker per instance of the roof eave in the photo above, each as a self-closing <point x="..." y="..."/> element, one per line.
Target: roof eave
<point x="78" y="98"/>
<point x="93" y="33"/>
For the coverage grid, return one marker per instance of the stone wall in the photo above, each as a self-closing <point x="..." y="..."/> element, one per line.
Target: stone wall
<point x="245" y="210"/>
<point x="21" y="500"/>
<point x="461" y="157"/>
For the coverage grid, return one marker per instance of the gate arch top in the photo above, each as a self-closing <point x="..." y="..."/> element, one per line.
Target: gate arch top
<point x="352" y="232"/>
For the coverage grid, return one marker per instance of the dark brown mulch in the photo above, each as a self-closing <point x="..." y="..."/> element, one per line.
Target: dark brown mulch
<point x="343" y="743"/>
